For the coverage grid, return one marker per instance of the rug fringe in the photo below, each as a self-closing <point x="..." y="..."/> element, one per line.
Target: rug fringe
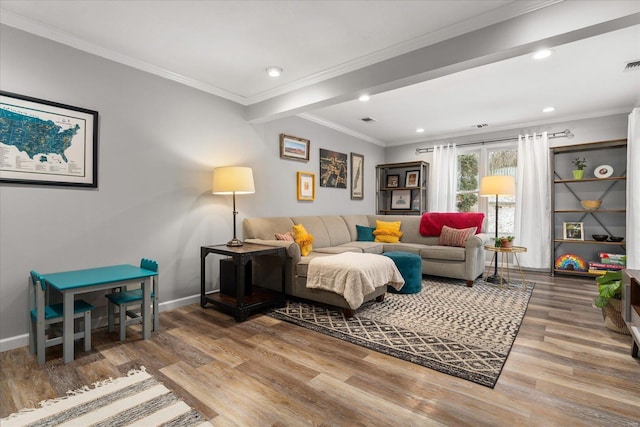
<point x="71" y="393"/>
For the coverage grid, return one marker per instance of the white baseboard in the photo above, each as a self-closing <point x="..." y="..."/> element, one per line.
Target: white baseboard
<point x="18" y="341"/>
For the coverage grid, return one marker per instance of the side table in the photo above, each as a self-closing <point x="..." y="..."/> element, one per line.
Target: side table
<point x="242" y="305"/>
<point x="504" y="253"/>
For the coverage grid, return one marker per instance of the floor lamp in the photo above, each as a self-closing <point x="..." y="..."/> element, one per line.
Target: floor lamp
<point x="498" y="185"/>
<point x="233" y="180"/>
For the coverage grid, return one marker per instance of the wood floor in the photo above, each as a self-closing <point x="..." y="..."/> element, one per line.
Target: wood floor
<point x="565" y="369"/>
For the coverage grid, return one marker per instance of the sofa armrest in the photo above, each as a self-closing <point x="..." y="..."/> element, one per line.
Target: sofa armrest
<point x="293" y="250"/>
<point x="477" y="241"/>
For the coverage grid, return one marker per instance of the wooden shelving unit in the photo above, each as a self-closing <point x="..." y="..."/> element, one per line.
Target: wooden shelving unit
<point x="568" y="192"/>
<point x="417" y="203"/>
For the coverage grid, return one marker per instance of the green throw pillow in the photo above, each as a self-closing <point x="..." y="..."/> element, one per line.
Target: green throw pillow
<point x="365" y="234"/>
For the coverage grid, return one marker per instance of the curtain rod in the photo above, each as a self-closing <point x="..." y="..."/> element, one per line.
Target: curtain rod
<point x="562" y="134"/>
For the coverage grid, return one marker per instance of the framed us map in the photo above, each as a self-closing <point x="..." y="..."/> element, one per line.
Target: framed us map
<point x="47" y="143"/>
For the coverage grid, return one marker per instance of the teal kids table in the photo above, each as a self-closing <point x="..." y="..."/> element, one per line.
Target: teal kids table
<point x="71" y="283"/>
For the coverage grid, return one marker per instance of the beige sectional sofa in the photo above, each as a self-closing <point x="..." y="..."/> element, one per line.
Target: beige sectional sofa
<point x="333" y="234"/>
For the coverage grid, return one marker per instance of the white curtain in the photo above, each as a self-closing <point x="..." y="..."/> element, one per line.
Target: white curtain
<point x="633" y="189"/>
<point x="533" y="201"/>
<point x="444" y="176"/>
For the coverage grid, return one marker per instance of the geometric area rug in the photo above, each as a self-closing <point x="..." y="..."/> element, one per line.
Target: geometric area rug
<point x="137" y="399"/>
<point x="448" y="327"/>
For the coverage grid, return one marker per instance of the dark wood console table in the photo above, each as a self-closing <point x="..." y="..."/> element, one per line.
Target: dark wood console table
<point x="241" y="305"/>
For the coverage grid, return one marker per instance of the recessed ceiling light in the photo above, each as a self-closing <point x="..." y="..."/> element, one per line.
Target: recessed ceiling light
<point x="274" y="71"/>
<point x="364" y="98"/>
<point x="542" y="53"/>
<point x="419" y="130"/>
<point x="548" y="109"/>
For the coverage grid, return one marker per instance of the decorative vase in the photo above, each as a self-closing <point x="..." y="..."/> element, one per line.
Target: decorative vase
<point x="612" y="315"/>
<point x="578" y="174"/>
<point x="506" y="243"/>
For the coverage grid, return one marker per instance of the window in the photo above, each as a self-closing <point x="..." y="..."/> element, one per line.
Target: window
<point x="473" y="164"/>
<point x="468" y="182"/>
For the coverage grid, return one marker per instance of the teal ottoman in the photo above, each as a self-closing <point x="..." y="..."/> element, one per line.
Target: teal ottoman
<point x="410" y="266"/>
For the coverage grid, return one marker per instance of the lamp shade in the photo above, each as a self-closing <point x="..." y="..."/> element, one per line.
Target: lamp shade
<point x="499" y="185"/>
<point x="233" y="179"/>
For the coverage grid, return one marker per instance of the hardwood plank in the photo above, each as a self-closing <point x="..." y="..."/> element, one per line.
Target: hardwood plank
<point x="565" y="368"/>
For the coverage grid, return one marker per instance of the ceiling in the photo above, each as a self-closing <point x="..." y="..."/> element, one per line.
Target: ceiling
<point x="444" y="66"/>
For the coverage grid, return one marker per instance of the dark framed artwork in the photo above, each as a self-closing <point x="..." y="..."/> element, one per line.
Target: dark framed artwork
<point x="47" y="143"/>
<point x="294" y="148"/>
<point x="357" y="176"/>
<point x="393" y="181"/>
<point x="333" y="169"/>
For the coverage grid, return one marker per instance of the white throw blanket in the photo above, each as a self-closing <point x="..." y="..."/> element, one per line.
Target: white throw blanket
<point x="353" y="275"/>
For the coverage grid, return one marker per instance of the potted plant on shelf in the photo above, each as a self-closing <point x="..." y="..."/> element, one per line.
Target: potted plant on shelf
<point x="580" y="164"/>
<point x="609" y="299"/>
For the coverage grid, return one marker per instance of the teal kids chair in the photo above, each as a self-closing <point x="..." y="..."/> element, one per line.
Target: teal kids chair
<point x="129" y="303"/>
<point x="44" y="316"/>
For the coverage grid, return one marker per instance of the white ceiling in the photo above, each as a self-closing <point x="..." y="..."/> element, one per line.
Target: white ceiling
<point x="413" y="57"/>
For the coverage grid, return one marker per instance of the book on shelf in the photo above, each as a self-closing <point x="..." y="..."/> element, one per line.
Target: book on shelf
<point x="616" y="259"/>
<point x="598" y="272"/>
<point x="601" y="266"/>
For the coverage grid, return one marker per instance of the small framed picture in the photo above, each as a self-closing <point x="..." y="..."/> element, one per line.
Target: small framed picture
<point x="573" y="231"/>
<point x="306" y="186"/>
<point x="401" y="199"/>
<point x="357" y="176"/>
<point x="294" y="148"/>
<point x="393" y="181"/>
<point x="412" y="179"/>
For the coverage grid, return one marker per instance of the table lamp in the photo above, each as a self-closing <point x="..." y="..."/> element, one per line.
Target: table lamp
<point x="233" y="180"/>
<point x="498" y="185"/>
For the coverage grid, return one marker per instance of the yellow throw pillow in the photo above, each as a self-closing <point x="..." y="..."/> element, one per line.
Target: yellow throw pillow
<point x="303" y="239"/>
<point x="387" y="232"/>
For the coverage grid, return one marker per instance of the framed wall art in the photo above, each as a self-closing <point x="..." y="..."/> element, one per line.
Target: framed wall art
<point x="306" y="185"/>
<point x="47" y="143"/>
<point x="401" y="199"/>
<point x="573" y="231"/>
<point x="294" y="148"/>
<point x="412" y="179"/>
<point x="393" y="181"/>
<point x="333" y="169"/>
<point x="357" y="176"/>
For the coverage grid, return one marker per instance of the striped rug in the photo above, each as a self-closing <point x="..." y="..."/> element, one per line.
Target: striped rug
<point x="135" y="400"/>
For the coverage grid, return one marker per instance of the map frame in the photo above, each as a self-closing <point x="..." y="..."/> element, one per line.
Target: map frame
<point x="85" y="142"/>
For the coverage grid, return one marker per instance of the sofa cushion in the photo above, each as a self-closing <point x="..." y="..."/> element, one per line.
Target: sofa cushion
<point x="367" y="247"/>
<point x="303" y="265"/>
<point x="265" y="228"/>
<point x="387" y="231"/>
<point x="353" y="220"/>
<point x="337" y="229"/>
<point x="303" y="239"/>
<point x="413" y="248"/>
<point x="316" y="227"/>
<point x="338" y="249"/>
<point x="455" y="236"/>
<point x="445" y="253"/>
<point x="365" y="234"/>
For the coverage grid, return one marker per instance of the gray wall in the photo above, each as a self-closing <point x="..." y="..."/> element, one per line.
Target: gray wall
<point x="158" y="144"/>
